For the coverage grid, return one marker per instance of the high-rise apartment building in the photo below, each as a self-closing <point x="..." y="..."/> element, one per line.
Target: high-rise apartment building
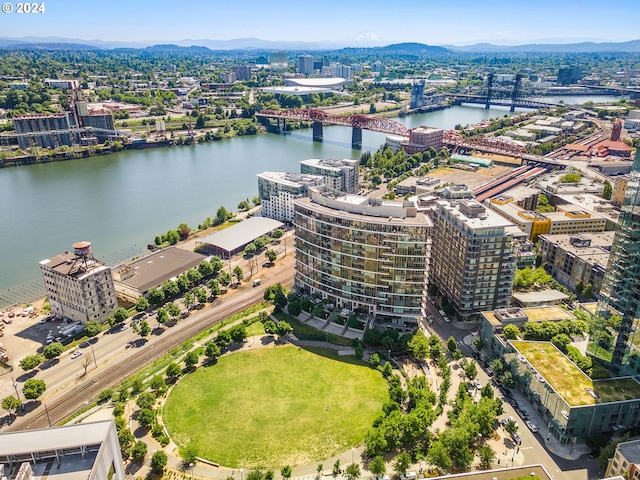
<point x="305" y="65"/>
<point x="367" y="255"/>
<point x="78" y="286"/>
<point x="473" y="262"/>
<point x="278" y="190"/>
<point x="620" y="292"/>
<point x="338" y="174"/>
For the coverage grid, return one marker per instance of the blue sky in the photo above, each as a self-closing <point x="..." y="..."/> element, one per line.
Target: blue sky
<point x="435" y="22"/>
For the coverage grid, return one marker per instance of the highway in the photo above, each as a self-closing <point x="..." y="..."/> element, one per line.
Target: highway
<point x="69" y="389"/>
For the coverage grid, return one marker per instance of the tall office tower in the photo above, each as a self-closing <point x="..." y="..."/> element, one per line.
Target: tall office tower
<point x="78" y="286"/>
<point x="473" y="261"/>
<point x="305" y="64"/>
<point x="338" y="174"/>
<point x="620" y="293"/>
<point x="366" y="255"/>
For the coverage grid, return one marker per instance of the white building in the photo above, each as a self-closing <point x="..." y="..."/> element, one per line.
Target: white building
<point x="89" y="451"/>
<point x="338" y="174"/>
<point x="278" y="190"/>
<point x="78" y="286"/>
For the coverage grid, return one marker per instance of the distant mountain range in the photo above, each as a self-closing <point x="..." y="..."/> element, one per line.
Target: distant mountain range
<point x="206" y="45"/>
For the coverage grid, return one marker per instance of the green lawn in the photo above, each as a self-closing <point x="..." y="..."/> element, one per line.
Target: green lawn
<point x="275" y="406"/>
<point x="306" y="332"/>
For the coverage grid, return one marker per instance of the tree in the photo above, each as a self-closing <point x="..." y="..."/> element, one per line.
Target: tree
<point x="188" y="300"/>
<point x="277" y="233"/>
<point x="336" y="470"/>
<point x="191" y="359"/>
<point x="294" y="308"/>
<point x="271" y="255"/>
<point x="285" y="472"/>
<point x="216" y="264"/>
<point x="439" y="456"/>
<point x="158" y="461"/>
<point x="52" y="350"/>
<point x="125" y="438"/>
<point x="255" y="475"/>
<point x="139" y="451"/>
<point x="511" y="332"/>
<point x="211" y="351"/>
<point x="33" y="388"/>
<point x="120" y="315"/>
<point x="608" y="190"/>
<point x="237" y="272"/>
<point x="162" y="316"/>
<point x="31" y="361"/>
<point x="238" y="333"/>
<point x="158" y="385"/>
<point x="419" y="345"/>
<point x="224" y="278"/>
<point x="146" y="400"/>
<point x="205" y="268"/>
<point x="142" y="304"/>
<point x="146" y="418"/>
<point x="173" y="371"/>
<point x="471" y="371"/>
<point x="562" y="341"/>
<point x="144" y="329"/>
<point x="319" y="469"/>
<point x="400" y="466"/>
<point x="92" y="328"/>
<point x="452" y="345"/>
<point x="250" y="250"/>
<point x="352" y="472"/>
<point x="244" y="205"/>
<point x="173" y="310"/>
<point x="377" y="466"/>
<point x="487" y="456"/>
<point x="156" y="296"/>
<point x="11" y="403"/>
<point x="511" y="427"/>
<point x="283" y="328"/>
<point x="222" y="215"/>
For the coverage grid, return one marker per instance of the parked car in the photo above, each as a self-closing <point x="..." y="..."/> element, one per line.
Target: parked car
<point x="410" y="475"/>
<point x="76" y="354"/>
<point x="516" y="438"/>
<point x="532" y="426"/>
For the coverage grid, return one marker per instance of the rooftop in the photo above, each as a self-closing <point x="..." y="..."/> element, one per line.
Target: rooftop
<point x="67" y="263"/>
<point x="630" y="450"/>
<point x="241" y="233"/>
<point x="551" y="313"/>
<point x="569" y="381"/>
<point x="158" y="267"/>
<point x="292" y="179"/>
<point x="540" y="296"/>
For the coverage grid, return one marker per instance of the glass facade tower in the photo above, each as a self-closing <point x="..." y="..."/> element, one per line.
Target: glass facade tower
<point x="616" y="341"/>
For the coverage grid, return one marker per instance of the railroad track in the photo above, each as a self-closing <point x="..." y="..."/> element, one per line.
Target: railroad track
<point x="71" y="400"/>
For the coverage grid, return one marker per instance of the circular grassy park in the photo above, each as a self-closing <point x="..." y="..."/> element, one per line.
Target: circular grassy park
<point x="271" y="407"/>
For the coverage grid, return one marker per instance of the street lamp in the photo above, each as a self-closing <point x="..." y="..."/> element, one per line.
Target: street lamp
<point x="191" y="468"/>
<point x="353" y="452"/>
<point x="47" y="411"/>
<point x="241" y="474"/>
<point x="94" y="356"/>
<point x="15" y="385"/>
<point x="389" y="355"/>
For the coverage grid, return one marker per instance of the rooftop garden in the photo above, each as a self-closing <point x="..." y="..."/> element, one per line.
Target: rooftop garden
<point x="569" y="381"/>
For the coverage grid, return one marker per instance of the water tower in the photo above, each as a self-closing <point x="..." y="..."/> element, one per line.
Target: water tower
<point x="84" y="256"/>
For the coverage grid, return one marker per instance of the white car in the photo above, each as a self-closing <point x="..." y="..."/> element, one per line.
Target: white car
<point x="76" y="354"/>
<point x="532" y="426"/>
<point x="124" y="327"/>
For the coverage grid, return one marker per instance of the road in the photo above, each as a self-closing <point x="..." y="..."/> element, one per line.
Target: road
<point x="533" y="448"/>
<point x="69" y="388"/>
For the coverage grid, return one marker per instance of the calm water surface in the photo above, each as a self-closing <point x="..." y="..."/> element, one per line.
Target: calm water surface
<point x="120" y="202"/>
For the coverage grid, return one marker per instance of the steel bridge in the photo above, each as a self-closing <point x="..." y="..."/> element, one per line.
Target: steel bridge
<point x="507" y="102"/>
<point x="357" y="122"/>
<point x="496" y="146"/>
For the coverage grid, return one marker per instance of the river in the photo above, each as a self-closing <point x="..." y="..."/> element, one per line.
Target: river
<point x="120" y="202"/>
